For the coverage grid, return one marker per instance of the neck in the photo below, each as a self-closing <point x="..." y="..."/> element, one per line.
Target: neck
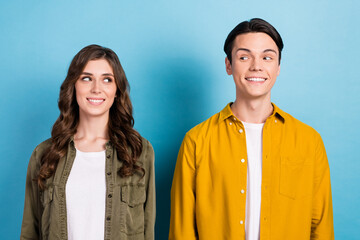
<point x="252" y="111"/>
<point x="92" y="128"/>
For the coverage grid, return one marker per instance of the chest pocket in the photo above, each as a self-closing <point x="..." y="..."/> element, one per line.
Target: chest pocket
<point x="133" y="198"/>
<point x="295" y="177"/>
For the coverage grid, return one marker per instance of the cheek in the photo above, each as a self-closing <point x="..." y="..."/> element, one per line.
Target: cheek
<point x="111" y="91"/>
<point x="79" y="89"/>
<point x="80" y="94"/>
<point x="78" y="97"/>
<point x="274" y="71"/>
<point x="239" y="69"/>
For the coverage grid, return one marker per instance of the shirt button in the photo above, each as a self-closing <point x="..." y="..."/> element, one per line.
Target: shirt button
<point x="242" y="191"/>
<point x="230" y="123"/>
<point x="109" y="196"/>
<point x="241" y="131"/>
<point x="109" y="173"/>
<point x="242" y="160"/>
<point x="108" y="156"/>
<point x="108" y="218"/>
<point x="241" y="222"/>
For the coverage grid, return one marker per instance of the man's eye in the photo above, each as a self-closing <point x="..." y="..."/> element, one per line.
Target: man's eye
<point x="244" y="58"/>
<point x="86" y="79"/>
<point x="267" y="58"/>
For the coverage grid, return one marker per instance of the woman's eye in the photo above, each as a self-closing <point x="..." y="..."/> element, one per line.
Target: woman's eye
<point x="86" y="79"/>
<point x="107" y="80"/>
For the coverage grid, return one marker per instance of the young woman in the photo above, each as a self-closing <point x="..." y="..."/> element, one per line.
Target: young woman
<point x="94" y="178"/>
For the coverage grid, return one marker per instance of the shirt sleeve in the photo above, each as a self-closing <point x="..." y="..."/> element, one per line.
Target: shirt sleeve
<point x="30" y="225"/>
<point x="150" y="205"/>
<point x="322" y="217"/>
<point x="183" y="197"/>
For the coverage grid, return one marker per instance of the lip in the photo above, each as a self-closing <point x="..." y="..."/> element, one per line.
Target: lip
<point x="95" y="101"/>
<point x="256" y="79"/>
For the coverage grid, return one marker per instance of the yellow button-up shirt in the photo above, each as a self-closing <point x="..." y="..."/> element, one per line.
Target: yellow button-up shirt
<point x="206" y="197"/>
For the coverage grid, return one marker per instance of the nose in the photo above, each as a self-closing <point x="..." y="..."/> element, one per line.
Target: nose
<point x="256" y="65"/>
<point x="95" y="87"/>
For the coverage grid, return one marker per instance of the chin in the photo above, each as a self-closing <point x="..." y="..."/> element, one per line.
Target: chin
<point x="95" y="113"/>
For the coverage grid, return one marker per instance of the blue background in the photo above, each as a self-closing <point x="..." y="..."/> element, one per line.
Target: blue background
<point x="172" y="54"/>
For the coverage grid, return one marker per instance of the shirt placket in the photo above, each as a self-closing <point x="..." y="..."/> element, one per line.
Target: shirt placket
<point x="239" y="130"/>
<point x="265" y="197"/>
<point x="109" y="190"/>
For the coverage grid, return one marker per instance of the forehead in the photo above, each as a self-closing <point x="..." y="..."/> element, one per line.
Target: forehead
<point x="98" y="65"/>
<point x="255" y="42"/>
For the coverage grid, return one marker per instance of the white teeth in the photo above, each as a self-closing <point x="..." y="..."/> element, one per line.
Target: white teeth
<point x="95" y="100"/>
<point x="256" y="79"/>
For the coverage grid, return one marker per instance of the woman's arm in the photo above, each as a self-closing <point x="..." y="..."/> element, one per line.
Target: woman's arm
<point x="30" y="228"/>
<point x="150" y="204"/>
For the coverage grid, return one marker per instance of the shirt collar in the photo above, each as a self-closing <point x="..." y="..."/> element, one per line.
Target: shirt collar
<point x="226" y="112"/>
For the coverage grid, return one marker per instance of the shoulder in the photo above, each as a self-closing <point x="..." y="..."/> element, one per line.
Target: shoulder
<point x="146" y="144"/>
<point x="203" y="129"/>
<point x="35" y="159"/>
<point x="147" y="154"/>
<point x="43" y="146"/>
<point x="299" y="128"/>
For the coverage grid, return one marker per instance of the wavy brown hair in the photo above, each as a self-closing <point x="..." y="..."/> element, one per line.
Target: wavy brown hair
<point x="123" y="136"/>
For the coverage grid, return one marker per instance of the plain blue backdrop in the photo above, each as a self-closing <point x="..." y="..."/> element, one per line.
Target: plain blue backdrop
<point x="172" y="54"/>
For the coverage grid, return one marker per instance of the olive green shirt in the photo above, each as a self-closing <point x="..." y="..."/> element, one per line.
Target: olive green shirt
<point x="130" y="201"/>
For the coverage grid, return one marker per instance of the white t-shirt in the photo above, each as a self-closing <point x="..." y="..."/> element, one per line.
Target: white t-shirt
<point x="253" y="133"/>
<point x="85" y="196"/>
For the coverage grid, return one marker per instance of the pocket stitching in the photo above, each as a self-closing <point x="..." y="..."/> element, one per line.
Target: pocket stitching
<point x="288" y="175"/>
<point x="125" y="195"/>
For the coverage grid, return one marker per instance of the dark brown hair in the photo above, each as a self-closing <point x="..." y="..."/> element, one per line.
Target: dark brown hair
<point x="254" y="25"/>
<point x="125" y="139"/>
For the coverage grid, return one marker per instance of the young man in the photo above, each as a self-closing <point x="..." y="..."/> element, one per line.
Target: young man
<point x="252" y="171"/>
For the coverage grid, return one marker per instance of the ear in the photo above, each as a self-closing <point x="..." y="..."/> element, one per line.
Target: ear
<point x="228" y="66"/>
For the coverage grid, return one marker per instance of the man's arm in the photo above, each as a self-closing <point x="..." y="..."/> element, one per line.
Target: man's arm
<point x="183" y="219"/>
<point x="322" y="218"/>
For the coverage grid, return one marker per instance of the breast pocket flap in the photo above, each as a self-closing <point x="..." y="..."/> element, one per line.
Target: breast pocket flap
<point x="133" y="195"/>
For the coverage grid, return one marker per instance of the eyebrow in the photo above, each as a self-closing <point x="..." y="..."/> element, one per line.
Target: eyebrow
<point x="104" y="74"/>
<point x="270" y="50"/>
<point x="248" y="50"/>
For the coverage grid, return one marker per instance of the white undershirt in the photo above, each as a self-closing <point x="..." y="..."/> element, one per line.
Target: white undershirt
<point x="254" y="175"/>
<point x="85" y="196"/>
